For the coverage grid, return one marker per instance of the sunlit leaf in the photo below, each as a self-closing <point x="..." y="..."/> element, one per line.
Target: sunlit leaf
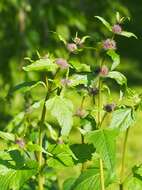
<point x="118" y="77"/>
<point x="115" y="58"/>
<point x="90" y="179"/>
<point x="80" y="67"/>
<point x="7" y="136"/>
<point x="62" y="156"/>
<point x="62" y="109"/>
<point x="104" y="140"/>
<point x="122" y="118"/>
<point x="107" y="24"/>
<point x="43" y="64"/>
<point x="128" y="34"/>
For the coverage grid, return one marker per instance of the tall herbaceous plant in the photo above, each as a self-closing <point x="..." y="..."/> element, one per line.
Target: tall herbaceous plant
<point x="55" y="144"/>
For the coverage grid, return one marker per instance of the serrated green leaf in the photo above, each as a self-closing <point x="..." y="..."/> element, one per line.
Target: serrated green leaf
<point x="115" y="58"/>
<point x="13" y="174"/>
<point x="128" y="34"/>
<point x="62" y="109"/>
<point x="90" y="179"/>
<point x="7" y="136"/>
<point x="80" y="67"/>
<point x="107" y="24"/>
<point x="104" y="140"/>
<point x="27" y="86"/>
<point x="122" y="118"/>
<point x="62" y="156"/>
<point x="43" y="64"/>
<point x="118" y="77"/>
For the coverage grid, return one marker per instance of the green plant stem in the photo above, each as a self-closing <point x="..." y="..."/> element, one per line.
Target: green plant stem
<point x="40" y="142"/>
<point x="123" y="160"/>
<point x="99" y="124"/>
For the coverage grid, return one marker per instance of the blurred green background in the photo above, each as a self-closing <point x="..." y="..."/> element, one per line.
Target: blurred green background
<point x="27" y="26"/>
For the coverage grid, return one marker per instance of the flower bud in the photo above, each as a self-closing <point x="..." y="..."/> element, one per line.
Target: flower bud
<point x="80" y="112"/>
<point x="71" y="47"/>
<point x="109" y="107"/>
<point x="104" y="71"/>
<point x="117" y="29"/>
<point x="20" y="142"/>
<point x="94" y="91"/>
<point x="62" y="63"/>
<point x="109" y="44"/>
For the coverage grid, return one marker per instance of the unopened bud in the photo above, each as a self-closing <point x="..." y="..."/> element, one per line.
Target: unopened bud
<point x="62" y="63"/>
<point x="109" y="107"/>
<point x="71" y="47"/>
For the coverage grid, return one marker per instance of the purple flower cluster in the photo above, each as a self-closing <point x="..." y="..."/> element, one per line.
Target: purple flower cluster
<point x="117" y="29"/>
<point x="62" y="63"/>
<point x="109" y="44"/>
<point x="72" y="47"/>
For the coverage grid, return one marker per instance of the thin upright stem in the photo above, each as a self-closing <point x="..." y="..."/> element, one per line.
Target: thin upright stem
<point x="123" y="160"/>
<point x="40" y="142"/>
<point x="99" y="124"/>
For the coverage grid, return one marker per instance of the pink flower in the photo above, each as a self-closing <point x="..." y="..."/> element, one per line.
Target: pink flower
<point x="117" y="29"/>
<point x="104" y="71"/>
<point x="71" y="47"/>
<point x="109" y="44"/>
<point x="62" y="63"/>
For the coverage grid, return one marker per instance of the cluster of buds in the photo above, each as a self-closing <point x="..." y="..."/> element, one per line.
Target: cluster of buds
<point x="109" y="44"/>
<point x="117" y="29"/>
<point x="110" y="107"/>
<point x="72" y="47"/>
<point x="62" y="63"/>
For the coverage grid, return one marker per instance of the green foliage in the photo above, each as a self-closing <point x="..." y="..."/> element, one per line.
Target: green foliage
<point x="115" y="57"/>
<point x="14" y="175"/>
<point x="62" y="156"/>
<point x="105" y="143"/>
<point x="62" y="109"/>
<point x="54" y="132"/>
<point x="118" y="77"/>
<point x="122" y="118"/>
<point x="41" y="65"/>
